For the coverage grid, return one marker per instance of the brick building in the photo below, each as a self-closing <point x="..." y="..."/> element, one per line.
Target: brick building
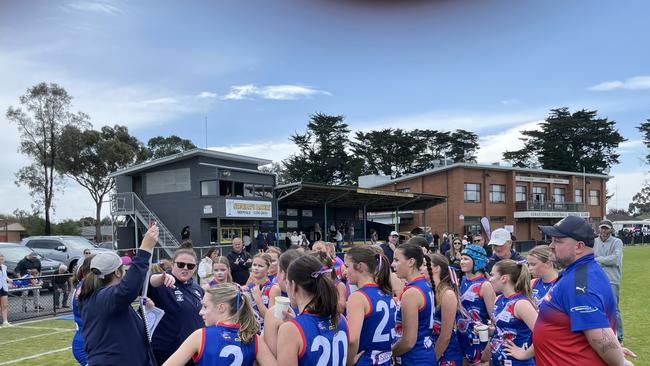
<point x="519" y="199"/>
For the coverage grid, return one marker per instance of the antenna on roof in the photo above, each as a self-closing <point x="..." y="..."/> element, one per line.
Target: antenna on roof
<point x="206" y="131"/>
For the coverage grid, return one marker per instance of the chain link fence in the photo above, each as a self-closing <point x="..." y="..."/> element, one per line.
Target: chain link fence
<point x="40" y="296"/>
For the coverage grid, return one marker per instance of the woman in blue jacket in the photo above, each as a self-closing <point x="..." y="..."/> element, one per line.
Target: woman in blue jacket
<point x="113" y="332"/>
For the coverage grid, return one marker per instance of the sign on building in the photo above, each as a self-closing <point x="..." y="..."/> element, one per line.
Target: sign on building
<point x="245" y="208"/>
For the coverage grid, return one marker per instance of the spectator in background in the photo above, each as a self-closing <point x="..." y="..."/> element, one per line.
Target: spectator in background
<point x="240" y="262"/>
<point x="390" y="246"/>
<point x="478" y="240"/>
<point x="446" y="240"/>
<point x="61" y="287"/>
<point x="608" y="252"/>
<point x="4" y="291"/>
<point x="205" y="266"/>
<point x="338" y="237"/>
<point x="30" y="267"/>
<point x="454" y="254"/>
<point x="246" y="240"/>
<point x="501" y="241"/>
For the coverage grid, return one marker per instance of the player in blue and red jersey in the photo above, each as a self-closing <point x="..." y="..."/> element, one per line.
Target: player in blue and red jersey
<point x="318" y="335"/>
<point x="260" y="286"/>
<point x="414" y="324"/>
<point x="447" y="347"/>
<point x="514" y="315"/>
<point x="477" y="298"/>
<point x="543" y="272"/>
<point x="577" y="317"/>
<point x="77" y="340"/>
<point x="271" y="323"/>
<point x="371" y="309"/>
<point x="230" y="336"/>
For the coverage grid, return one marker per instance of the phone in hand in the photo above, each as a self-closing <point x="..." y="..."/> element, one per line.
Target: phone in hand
<point x="152" y="224"/>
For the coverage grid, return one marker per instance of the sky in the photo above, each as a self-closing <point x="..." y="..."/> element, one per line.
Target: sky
<point x="258" y="69"/>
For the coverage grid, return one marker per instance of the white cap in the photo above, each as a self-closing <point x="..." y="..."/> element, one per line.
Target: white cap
<point x="105" y="263"/>
<point x="394" y="233"/>
<point x="499" y="237"/>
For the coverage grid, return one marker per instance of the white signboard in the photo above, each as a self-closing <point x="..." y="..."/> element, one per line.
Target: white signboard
<point x="548" y="214"/>
<point x="541" y="180"/>
<point x="245" y="208"/>
<point x="207" y="209"/>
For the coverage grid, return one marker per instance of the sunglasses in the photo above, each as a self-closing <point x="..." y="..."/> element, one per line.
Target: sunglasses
<point x="86" y="253"/>
<point x="457" y="242"/>
<point x="477" y="240"/>
<point x="182" y="265"/>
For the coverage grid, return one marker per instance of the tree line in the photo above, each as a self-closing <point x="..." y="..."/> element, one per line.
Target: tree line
<point x="61" y="143"/>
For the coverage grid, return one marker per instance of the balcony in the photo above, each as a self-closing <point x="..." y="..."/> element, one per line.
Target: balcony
<point x="540" y="209"/>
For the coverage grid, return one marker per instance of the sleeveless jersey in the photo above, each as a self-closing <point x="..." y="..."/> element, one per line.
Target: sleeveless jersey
<point x="221" y="346"/>
<point x="508" y="327"/>
<point x="266" y="289"/>
<point x="470" y="298"/>
<point x="423" y="350"/>
<point x="322" y="345"/>
<point x="540" y="289"/>
<point x="453" y="355"/>
<point x="378" y="329"/>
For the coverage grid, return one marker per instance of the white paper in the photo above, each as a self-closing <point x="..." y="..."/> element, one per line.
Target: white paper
<point x="153" y="316"/>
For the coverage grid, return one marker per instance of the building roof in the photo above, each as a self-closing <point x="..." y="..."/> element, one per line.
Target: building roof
<point x="491" y="167"/>
<point x="188" y="154"/>
<point x="315" y="194"/>
<point x="11" y="225"/>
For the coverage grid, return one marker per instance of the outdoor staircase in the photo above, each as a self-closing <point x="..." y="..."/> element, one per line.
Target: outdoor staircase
<point x="129" y="204"/>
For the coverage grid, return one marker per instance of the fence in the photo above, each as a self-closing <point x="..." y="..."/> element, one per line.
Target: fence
<point x="37" y="297"/>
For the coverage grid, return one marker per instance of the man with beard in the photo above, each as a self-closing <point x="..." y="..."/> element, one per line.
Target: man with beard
<point x="577" y="317"/>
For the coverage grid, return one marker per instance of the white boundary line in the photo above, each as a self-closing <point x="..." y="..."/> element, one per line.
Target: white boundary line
<point x="43" y="328"/>
<point x="38" y="320"/>
<point x="36" y="336"/>
<point x="36" y="356"/>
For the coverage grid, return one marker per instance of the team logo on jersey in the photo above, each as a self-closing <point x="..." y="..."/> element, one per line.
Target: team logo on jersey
<point x="226" y="336"/>
<point x="380" y="358"/>
<point x="584" y="309"/>
<point x="428" y="342"/>
<point x="179" y="296"/>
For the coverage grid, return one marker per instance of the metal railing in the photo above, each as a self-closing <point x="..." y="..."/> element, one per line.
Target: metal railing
<point x="39" y="296"/>
<point x="128" y="203"/>
<point x="549" y="206"/>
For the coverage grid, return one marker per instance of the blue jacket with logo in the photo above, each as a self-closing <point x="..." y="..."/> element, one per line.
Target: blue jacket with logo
<point x="181" y="305"/>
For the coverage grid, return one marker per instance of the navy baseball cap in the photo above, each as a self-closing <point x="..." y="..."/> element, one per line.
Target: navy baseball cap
<point x="574" y="227"/>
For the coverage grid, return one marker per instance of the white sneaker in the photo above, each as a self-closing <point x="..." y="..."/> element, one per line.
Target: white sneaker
<point x="7" y="324"/>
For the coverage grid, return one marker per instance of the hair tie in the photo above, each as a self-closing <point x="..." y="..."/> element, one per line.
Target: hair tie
<point x="318" y="273"/>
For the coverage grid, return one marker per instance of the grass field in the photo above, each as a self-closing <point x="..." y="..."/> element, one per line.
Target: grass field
<point x="47" y="342"/>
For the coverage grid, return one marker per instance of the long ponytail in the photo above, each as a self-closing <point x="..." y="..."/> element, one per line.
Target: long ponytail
<point x="441" y="261"/>
<point x="519" y="276"/>
<point x="307" y="273"/>
<point x="377" y="264"/>
<point x="241" y="308"/>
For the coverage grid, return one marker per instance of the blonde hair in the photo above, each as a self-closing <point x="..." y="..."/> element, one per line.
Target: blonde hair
<point x="543" y="253"/>
<point x="240" y="308"/>
<point x="275" y="250"/>
<point x="223" y="260"/>
<point x="265" y="257"/>
<point x="519" y="276"/>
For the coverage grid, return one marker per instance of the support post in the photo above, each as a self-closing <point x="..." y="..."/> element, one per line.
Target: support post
<point x="365" y="222"/>
<point x="326" y="229"/>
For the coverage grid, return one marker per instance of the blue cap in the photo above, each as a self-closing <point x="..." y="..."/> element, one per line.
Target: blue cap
<point x="478" y="255"/>
<point x="573" y="227"/>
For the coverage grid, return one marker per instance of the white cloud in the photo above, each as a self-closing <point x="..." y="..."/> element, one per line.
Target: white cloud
<point x="633" y="83"/>
<point x="624" y="186"/>
<point x="207" y="94"/>
<point x="493" y="146"/>
<point x="510" y="101"/>
<point x="94" y="7"/>
<point x="272" y="150"/>
<point x="275" y="92"/>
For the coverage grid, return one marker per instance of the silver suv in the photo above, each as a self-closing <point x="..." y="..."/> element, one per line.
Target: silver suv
<point x="66" y="249"/>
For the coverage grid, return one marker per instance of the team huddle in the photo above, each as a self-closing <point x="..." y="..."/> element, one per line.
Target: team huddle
<point x="308" y="307"/>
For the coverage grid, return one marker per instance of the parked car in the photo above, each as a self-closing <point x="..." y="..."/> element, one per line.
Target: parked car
<point x="67" y="249"/>
<point x="14" y="253"/>
<point x="107" y="245"/>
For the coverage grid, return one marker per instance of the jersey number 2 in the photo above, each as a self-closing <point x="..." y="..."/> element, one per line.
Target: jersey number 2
<point x="235" y="351"/>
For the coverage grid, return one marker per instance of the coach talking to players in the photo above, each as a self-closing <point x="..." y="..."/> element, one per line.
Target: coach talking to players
<point x="113" y="332"/>
<point x="576" y="322"/>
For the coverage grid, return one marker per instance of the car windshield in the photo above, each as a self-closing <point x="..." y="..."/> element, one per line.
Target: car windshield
<point x="15" y="254"/>
<point x="79" y="243"/>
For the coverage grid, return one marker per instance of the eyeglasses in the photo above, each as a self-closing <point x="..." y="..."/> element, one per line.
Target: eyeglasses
<point x="182" y="265"/>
